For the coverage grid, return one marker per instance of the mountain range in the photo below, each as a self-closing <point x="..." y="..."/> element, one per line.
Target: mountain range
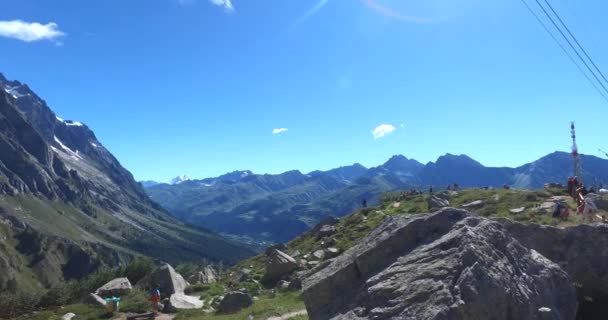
<point x="68" y="207"/>
<point x="275" y="208"/>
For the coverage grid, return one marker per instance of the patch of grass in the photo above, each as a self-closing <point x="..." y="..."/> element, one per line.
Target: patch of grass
<point x="136" y="301"/>
<point x="206" y="291"/>
<point x="266" y="306"/>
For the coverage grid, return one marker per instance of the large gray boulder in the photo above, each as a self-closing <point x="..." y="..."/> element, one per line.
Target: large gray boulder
<point x="207" y="275"/>
<point x="581" y="251"/>
<point x="168" y="280"/>
<point x="278" y="265"/>
<point x="234" y="301"/>
<point x="445" y="265"/>
<point x="180" y="301"/>
<point x="115" y="288"/>
<point x="437" y="201"/>
<point x="600" y="200"/>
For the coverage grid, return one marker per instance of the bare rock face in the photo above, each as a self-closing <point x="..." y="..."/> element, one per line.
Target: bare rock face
<point x="445" y="265"/>
<point x="582" y="251"/>
<point x="278" y="264"/>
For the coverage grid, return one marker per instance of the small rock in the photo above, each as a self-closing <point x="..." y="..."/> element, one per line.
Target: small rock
<point x="282" y="285"/>
<point x="326" y="231"/>
<point x="68" y="316"/>
<point x="295" y="284"/>
<point x="296" y="253"/>
<point x="312" y="264"/>
<point x="545" y="207"/>
<point x="396" y="204"/>
<point x="235" y="301"/>
<point x="215" y="303"/>
<point x="474" y="204"/>
<point x="517" y="210"/>
<point x="278" y="246"/>
<point x="328" y="243"/>
<point x="319" y="254"/>
<point x="544" y="309"/>
<point x="332" y="252"/>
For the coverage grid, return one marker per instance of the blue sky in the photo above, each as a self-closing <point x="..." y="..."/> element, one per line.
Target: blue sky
<point x="198" y="86"/>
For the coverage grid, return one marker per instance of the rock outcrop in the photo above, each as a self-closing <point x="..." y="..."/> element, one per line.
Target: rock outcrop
<point x="278" y="264"/>
<point x="234" y="301"/>
<point x="582" y="251"/>
<point x="438" y="201"/>
<point x="207" y="275"/>
<point x="168" y="280"/>
<point x="115" y="288"/>
<point x="445" y="265"/>
<point x="179" y="301"/>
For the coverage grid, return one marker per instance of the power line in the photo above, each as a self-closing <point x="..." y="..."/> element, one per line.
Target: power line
<point x="571" y="46"/>
<point x="564" y="49"/>
<point x="575" y="40"/>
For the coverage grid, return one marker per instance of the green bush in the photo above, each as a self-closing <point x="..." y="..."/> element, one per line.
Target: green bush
<point x="138" y="269"/>
<point x="14" y="304"/>
<point x="136" y="301"/>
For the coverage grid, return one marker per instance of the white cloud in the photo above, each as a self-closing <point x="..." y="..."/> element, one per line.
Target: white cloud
<point x="29" y="31"/>
<point x="279" y="130"/>
<point x="382" y="130"/>
<point x="226" y="4"/>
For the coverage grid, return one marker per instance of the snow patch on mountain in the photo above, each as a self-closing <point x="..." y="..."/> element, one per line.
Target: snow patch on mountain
<point x="179" y="179"/>
<point x="75" y="155"/>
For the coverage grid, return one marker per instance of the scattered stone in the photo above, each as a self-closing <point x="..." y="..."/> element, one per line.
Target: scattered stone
<point x="474" y="205"/>
<point x="329" y="221"/>
<point x="278" y="246"/>
<point x="296" y="253"/>
<point x="445" y="265"/>
<point x="208" y="275"/>
<point x="396" y="204"/>
<point x="303" y="262"/>
<point x="179" y="301"/>
<point x="68" y="316"/>
<point x="278" y="264"/>
<point x="96" y="300"/>
<point x="517" y="210"/>
<point x="332" y="252"/>
<point x="235" y="301"/>
<point x="545" y="207"/>
<point x="295" y="284"/>
<point x="328" y="242"/>
<point x="215" y="303"/>
<point x="436" y="202"/>
<point x="243" y="275"/>
<point x="282" y="285"/>
<point x="319" y="254"/>
<point x="115" y="288"/>
<point x="312" y="264"/>
<point x="544" y="309"/>
<point x="326" y="231"/>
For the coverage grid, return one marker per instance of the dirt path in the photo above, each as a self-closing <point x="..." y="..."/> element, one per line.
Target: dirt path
<point x="289" y="315"/>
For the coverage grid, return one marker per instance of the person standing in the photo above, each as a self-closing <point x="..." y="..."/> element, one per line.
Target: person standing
<point x="155" y="300"/>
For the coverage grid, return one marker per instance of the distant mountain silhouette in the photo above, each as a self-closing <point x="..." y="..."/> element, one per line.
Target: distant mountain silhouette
<point x="278" y="207"/>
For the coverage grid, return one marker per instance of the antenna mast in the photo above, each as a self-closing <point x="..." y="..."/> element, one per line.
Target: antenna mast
<point x="578" y="171"/>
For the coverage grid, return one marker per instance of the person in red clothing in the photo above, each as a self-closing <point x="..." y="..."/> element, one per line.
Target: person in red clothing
<point x="155" y="300"/>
